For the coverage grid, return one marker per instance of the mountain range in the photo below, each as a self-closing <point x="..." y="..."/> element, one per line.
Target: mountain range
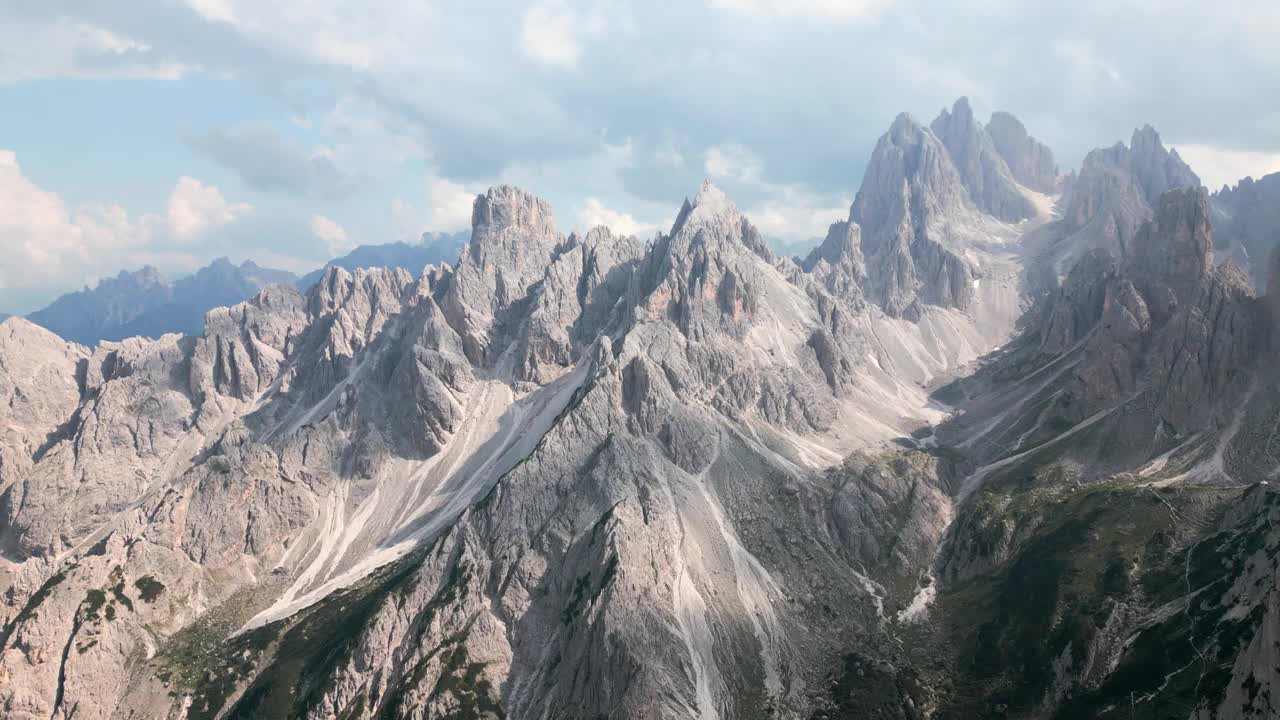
<point x="1000" y="446"/>
<point x="144" y="303"/>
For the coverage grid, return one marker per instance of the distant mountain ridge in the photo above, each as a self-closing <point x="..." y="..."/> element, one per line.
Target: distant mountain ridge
<point x="145" y="303"/>
<point x="1246" y="218"/>
<point x="434" y="249"/>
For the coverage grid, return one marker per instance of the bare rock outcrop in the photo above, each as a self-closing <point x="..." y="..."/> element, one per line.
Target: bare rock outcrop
<point x="986" y="176"/>
<point x="1030" y="160"/>
<point x="910" y="192"/>
<point x="513" y="238"/>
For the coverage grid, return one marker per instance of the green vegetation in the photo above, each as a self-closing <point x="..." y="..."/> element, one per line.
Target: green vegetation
<point x="292" y="661"/>
<point x="864" y="688"/>
<point x="197" y="655"/>
<point x="1066" y="557"/>
<point x="148" y="588"/>
<point x="93" y="602"/>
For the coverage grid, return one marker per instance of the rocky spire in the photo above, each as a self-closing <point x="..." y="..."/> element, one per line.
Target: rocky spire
<point x="838" y="263"/>
<point x="513" y="238"/>
<point x="982" y="169"/>
<point x="910" y="184"/>
<point x="1030" y="161"/>
<point x="1127" y="180"/>
<point x="713" y="214"/>
<point x="1157" y="169"/>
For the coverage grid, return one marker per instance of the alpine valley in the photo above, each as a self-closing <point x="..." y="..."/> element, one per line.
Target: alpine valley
<point x="999" y="447"/>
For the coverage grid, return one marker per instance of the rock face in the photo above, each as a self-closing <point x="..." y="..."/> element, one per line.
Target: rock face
<point x="145" y="303"/>
<point x="986" y="176"/>
<point x="838" y="263"/>
<point x="587" y="476"/>
<point x="41" y="379"/>
<point x="1030" y="161"/>
<point x="910" y="190"/>
<point x="1157" y="170"/>
<point x="512" y="241"/>
<point x="1131" y="408"/>
<point x="556" y="456"/>
<point x="1161" y="339"/>
<point x="1246" y="219"/>
<point x="1113" y="195"/>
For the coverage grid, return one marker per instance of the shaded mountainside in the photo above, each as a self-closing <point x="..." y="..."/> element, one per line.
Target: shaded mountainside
<point x="1247" y="222"/>
<point x="1114" y="552"/>
<point x="144" y="303"/>
<point x="589" y="476"/>
<point x="1104" y="205"/>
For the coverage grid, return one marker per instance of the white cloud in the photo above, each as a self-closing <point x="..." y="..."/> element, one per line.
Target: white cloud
<point x="333" y="235"/>
<point x="790" y="211"/>
<point x="48" y="244"/>
<point x="215" y="10"/>
<point x="733" y="162"/>
<point x="70" y="48"/>
<point x="37" y="233"/>
<point x="450" y="204"/>
<point x="195" y="207"/>
<point x="551" y="33"/>
<point x="1219" y="166"/>
<point x="823" y="9"/>
<point x="594" y="213"/>
<point x="669" y="155"/>
<point x="796" y="216"/>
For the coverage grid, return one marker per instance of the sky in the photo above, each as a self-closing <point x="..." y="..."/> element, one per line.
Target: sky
<point x="171" y="132"/>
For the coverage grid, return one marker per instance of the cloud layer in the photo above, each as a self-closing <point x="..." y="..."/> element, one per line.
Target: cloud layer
<point x="48" y="244"/>
<point x="389" y="116"/>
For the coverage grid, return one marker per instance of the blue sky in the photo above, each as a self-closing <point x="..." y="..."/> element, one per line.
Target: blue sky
<point x="170" y="132"/>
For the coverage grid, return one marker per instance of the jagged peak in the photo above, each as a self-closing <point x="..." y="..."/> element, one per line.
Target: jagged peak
<point x="1030" y="160"/>
<point x="843" y="241"/>
<point x="1145" y="136"/>
<point x="904" y="122"/>
<point x="709" y="206"/>
<point x="960" y="110"/>
<point x="508" y="206"/>
<point x="600" y="235"/>
<point x="1008" y="119"/>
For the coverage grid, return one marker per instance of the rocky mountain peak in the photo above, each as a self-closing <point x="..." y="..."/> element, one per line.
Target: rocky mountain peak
<point x="987" y="178"/>
<point x="838" y="262"/>
<point x="712" y="219"/>
<point x="1030" y="161"/>
<point x="145" y="303"/>
<point x="909" y="192"/>
<point x="40" y="376"/>
<point x="710" y="206"/>
<point x="1157" y="169"/>
<point x="505" y="209"/>
<point x="1116" y="192"/>
<point x="513" y="238"/>
<point x="908" y="162"/>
